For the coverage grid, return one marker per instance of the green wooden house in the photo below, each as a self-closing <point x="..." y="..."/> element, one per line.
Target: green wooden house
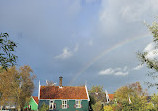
<point x="64" y="98"/>
<point x="33" y="104"/>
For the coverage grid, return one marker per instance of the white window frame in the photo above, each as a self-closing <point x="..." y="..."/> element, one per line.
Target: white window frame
<point x="64" y="104"/>
<point x="78" y="103"/>
<point x="51" y="103"/>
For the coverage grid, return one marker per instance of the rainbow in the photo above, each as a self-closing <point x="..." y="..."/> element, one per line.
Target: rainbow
<point x="116" y="46"/>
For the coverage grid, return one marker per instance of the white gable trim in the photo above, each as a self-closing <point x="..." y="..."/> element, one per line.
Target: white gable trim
<point x="39" y="90"/>
<point x="107" y="96"/>
<point x="34" y="100"/>
<point x="87" y="93"/>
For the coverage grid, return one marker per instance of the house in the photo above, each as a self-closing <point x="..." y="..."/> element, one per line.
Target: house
<point x="109" y="97"/>
<point x="33" y="104"/>
<point x="64" y="98"/>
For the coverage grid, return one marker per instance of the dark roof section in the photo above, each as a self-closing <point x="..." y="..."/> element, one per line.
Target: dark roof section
<point x="36" y="99"/>
<point x="66" y="92"/>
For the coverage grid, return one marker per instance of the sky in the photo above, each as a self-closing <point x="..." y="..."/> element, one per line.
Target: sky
<point x="92" y="42"/>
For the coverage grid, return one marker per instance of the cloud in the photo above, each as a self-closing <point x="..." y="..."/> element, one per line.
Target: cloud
<point x="116" y="71"/>
<point x="152" y="51"/>
<point x="153" y="54"/>
<point x="107" y="71"/>
<point x="134" y="11"/>
<point x="127" y="14"/>
<point x="65" y="54"/>
<point x="149" y="47"/>
<point x="138" y="67"/>
<point x="121" y="73"/>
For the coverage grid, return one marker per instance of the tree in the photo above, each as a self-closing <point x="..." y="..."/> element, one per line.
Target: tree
<point x="130" y="97"/>
<point x="98" y="89"/>
<point x="97" y="106"/>
<point x="16" y="86"/>
<point x="44" y="107"/>
<point x="108" y="108"/>
<point x="7" y="47"/>
<point x="150" y="107"/>
<point x="7" y="81"/>
<point x="152" y="63"/>
<point x="154" y="101"/>
<point x="97" y="96"/>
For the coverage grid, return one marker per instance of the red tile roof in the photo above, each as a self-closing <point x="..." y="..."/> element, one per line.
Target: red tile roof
<point x="36" y="99"/>
<point x="66" y="92"/>
<point x="111" y="96"/>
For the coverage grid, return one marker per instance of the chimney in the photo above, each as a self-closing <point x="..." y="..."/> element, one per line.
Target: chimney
<point x="60" y="81"/>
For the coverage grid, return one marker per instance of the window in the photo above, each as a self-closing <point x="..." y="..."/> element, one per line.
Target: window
<point x="52" y="105"/>
<point x="78" y="103"/>
<point x="64" y="104"/>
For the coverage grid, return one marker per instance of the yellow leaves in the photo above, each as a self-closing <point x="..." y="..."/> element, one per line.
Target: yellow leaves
<point x="122" y="93"/>
<point x="16" y="84"/>
<point x="98" y="89"/>
<point x="97" y="106"/>
<point x="149" y="106"/>
<point x="131" y="90"/>
<point x="131" y="97"/>
<point x="108" y="108"/>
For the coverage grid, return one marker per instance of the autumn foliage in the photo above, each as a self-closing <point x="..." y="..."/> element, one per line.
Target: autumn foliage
<point x="16" y="86"/>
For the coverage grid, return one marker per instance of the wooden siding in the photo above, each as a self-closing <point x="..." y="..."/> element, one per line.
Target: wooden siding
<point x="33" y="104"/>
<point x="71" y="103"/>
